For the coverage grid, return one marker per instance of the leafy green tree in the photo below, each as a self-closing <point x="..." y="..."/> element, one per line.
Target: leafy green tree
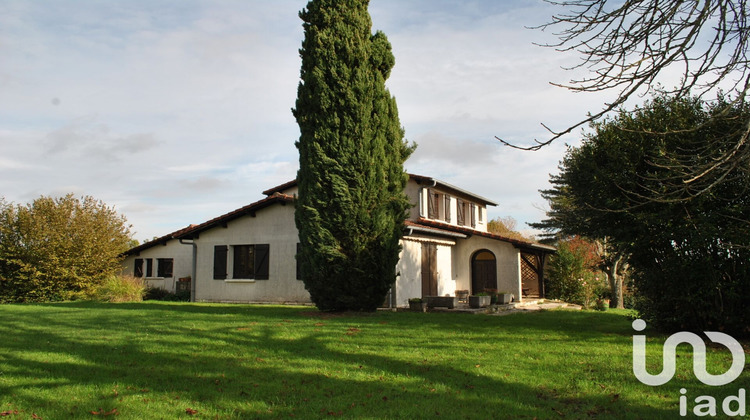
<point x="688" y="249"/>
<point x="506" y="226"/>
<point x="573" y="272"/>
<point x="58" y="248"/>
<point x="351" y="205"/>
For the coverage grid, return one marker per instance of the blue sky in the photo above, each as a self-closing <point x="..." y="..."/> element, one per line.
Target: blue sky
<point x="178" y="111"/>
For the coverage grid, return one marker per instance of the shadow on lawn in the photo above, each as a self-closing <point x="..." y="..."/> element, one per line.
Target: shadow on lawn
<point x="228" y="364"/>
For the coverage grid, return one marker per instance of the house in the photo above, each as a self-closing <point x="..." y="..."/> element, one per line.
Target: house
<point x="161" y="262"/>
<point x="248" y="255"/>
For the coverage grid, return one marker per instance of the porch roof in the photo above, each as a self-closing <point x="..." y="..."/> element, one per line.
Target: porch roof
<point x="445" y="229"/>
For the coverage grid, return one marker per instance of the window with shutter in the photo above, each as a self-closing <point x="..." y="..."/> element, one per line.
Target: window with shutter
<point x="138" y="269"/>
<point x="220" y="262"/>
<point x="149" y="267"/>
<point x="243" y="265"/>
<point x="472" y="211"/>
<point x="165" y="267"/>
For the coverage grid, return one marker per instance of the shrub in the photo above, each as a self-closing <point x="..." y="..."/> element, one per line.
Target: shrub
<point x="58" y="248"/>
<point x="571" y="277"/>
<point x="704" y="287"/>
<point x="156" y="293"/>
<point x="566" y="269"/>
<point x="120" y="289"/>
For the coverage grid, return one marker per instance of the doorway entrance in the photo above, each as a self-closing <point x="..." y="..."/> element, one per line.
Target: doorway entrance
<point x="429" y="269"/>
<point x="483" y="271"/>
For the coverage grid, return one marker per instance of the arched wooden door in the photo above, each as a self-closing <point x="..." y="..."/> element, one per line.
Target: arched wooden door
<point x="483" y="271"/>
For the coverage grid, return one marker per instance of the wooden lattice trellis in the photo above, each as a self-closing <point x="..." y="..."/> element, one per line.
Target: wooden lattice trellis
<point x="529" y="276"/>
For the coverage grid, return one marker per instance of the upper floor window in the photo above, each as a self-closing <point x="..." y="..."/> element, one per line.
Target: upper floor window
<point x="438" y="206"/>
<point x="467" y="213"/>
<point x="433" y="204"/>
<point x="462" y="208"/>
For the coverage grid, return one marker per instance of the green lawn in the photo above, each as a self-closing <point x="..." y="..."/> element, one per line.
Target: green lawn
<point x="179" y="360"/>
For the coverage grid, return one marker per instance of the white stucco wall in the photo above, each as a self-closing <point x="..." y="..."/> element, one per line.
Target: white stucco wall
<point x="418" y="196"/>
<point x="409" y="269"/>
<point x="182" y="263"/>
<point x="446" y="282"/>
<point x="409" y="282"/>
<point x="413" y="191"/>
<point x="272" y="225"/>
<point x="508" y="263"/>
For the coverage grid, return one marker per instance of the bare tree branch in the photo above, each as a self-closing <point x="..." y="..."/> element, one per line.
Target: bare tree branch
<point x="627" y="46"/>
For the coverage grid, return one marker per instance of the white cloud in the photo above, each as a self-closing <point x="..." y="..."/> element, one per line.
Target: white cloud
<point x="180" y="114"/>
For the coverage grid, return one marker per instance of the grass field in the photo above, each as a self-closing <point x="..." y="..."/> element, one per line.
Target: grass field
<point x="175" y="360"/>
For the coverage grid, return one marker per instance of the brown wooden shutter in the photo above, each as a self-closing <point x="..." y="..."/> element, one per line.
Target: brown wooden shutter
<point x="261" y="261"/>
<point x="460" y="213"/>
<point x="220" y="262"/>
<point x="431" y="209"/>
<point x="472" y="207"/>
<point x="447" y="208"/>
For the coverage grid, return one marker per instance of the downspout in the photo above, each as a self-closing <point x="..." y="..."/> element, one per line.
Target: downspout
<point x="193" y="279"/>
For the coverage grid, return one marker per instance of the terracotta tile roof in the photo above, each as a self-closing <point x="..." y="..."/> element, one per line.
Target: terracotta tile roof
<point x="250" y="209"/>
<point x="417" y="178"/>
<point x="280" y="188"/>
<point x="158" y="241"/>
<point x="444" y="227"/>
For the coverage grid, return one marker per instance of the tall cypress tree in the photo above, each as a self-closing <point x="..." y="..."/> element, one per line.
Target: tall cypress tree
<point x="351" y="205"/>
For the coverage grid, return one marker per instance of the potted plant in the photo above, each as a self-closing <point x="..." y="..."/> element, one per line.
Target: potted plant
<point x="462" y="295"/>
<point x="416" y="304"/>
<point x="504" y="298"/>
<point x="480" y="300"/>
<point x="492" y="293"/>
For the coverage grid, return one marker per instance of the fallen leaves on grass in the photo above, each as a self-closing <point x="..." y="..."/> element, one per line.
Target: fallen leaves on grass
<point x="101" y="412"/>
<point x="190" y="411"/>
<point x="8" y="413"/>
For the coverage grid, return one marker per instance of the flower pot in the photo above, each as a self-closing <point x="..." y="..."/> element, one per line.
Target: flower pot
<point x="417" y="306"/>
<point x="504" y="298"/>
<point x="479" y="301"/>
<point x="449" y="302"/>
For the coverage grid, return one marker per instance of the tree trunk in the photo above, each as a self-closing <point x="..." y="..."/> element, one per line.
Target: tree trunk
<point x="615" y="281"/>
